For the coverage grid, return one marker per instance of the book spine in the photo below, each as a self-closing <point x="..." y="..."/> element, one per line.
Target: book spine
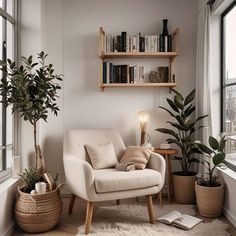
<point x="137" y="42"/>
<point x="108" y="72"/>
<point x="146" y="43"/>
<point x="111" y="73"/>
<point x="161" y="43"/>
<point x="118" y="43"/>
<point x="128" y="74"/>
<point x="135" y="75"/>
<point x="104" y="72"/>
<point x="132" y="74"/>
<point x="123" y="39"/>
<point x="127" y="44"/>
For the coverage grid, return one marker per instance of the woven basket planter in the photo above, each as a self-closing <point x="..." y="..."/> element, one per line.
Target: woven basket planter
<point x="38" y="213"/>
<point x="209" y="200"/>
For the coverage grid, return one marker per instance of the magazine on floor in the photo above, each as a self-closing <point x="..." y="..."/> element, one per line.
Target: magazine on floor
<point x="177" y="219"/>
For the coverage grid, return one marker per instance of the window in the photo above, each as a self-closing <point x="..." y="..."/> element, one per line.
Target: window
<point x="228" y="78"/>
<point x="7" y="49"/>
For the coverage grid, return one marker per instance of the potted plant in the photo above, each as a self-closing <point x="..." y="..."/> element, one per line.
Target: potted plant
<point x="209" y="191"/>
<point x="182" y="134"/>
<point x="32" y="90"/>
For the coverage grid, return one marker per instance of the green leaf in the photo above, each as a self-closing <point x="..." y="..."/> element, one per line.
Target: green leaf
<point x="177" y="93"/>
<point x="172" y="105"/>
<point x="167" y="111"/>
<point x="189" y="98"/>
<point x="171" y="140"/>
<point x="189" y="110"/>
<point x="222" y="144"/>
<point x="195" y="160"/>
<point x="213" y="143"/>
<point x="201" y="117"/>
<point x="168" y="131"/>
<point x="218" y="158"/>
<point x="204" y="148"/>
<point x="178" y="103"/>
<point x="177" y="126"/>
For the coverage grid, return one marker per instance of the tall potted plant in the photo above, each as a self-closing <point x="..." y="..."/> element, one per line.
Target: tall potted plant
<point x="209" y="191"/>
<point x="32" y="90"/>
<point x="182" y="134"/>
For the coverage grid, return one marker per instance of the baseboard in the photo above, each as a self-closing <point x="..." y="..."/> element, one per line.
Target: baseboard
<point x="10" y="229"/>
<point x="230" y="217"/>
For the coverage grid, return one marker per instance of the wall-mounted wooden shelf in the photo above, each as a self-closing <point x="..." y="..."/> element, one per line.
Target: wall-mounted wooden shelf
<point x="138" y="54"/>
<point x="143" y="85"/>
<point x="109" y="55"/>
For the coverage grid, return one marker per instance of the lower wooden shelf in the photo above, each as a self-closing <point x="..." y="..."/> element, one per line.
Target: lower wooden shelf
<point x="143" y="85"/>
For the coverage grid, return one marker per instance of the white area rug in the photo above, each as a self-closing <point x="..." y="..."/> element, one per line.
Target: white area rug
<point x="132" y="219"/>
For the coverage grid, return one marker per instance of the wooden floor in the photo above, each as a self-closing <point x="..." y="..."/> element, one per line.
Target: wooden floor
<point x="81" y="204"/>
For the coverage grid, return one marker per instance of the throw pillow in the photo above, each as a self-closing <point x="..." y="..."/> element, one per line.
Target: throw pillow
<point x="137" y="156"/>
<point x="101" y="155"/>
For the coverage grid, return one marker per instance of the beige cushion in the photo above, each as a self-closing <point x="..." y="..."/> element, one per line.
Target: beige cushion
<point x="136" y="155"/>
<point x="101" y="155"/>
<point x="112" y="180"/>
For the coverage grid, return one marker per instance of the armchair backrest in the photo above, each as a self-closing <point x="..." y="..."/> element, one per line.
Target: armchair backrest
<point x="75" y="139"/>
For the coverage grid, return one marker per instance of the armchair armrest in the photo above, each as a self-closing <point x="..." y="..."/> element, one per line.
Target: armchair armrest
<point x="157" y="162"/>
<point x="79" y="176"/>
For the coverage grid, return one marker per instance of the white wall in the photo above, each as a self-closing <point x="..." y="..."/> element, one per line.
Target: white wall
<point x="71" y="37"/>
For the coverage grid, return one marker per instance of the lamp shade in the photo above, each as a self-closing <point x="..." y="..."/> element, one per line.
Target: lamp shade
<point x="143" y="120"/>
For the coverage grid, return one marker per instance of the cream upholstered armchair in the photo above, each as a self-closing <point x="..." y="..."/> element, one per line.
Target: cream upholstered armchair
<point x="107" y="184"/>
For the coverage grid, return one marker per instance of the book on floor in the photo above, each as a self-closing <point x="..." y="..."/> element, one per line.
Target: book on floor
<point x="177" y="219"/>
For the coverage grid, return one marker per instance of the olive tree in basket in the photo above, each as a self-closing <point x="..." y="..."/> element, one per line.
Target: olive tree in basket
<point x="31" y="90"/>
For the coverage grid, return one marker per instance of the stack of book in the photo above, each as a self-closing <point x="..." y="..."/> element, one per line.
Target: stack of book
<point x="138" y="43"/>
<point x="122" y="73"/>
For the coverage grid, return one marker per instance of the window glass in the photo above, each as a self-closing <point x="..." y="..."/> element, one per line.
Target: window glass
<point x="6" y="117"/>
<point x="9" y="4"/>
<point x="229" y="81"/>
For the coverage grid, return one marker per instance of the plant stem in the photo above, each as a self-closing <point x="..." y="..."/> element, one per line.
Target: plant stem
<point x="35" y="145"/>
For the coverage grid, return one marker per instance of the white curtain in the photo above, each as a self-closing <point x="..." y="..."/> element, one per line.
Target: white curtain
<point x="203" y="85"/>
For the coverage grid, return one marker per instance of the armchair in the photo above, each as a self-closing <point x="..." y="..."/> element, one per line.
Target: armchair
<point x="107" y="184"/>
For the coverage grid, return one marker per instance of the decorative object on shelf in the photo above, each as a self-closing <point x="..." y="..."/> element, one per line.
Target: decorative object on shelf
<point x="143" y="120"/>
<point x="182" y="110"/>
<point x="209" y="191"/>
<point x="164" y="74"/>
<point x="154" y="77"/>
<point x="32" y="90"/>
<point x="165" y="40"/>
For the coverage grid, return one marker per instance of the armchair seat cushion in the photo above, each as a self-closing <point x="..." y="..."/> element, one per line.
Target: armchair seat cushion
<point x="112" y="180"/>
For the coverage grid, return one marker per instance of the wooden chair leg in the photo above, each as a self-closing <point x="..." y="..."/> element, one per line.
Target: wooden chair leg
<point x="89" y="215"/>
<point x="160" y="199"/>
<point x="118" y="202"/>
<point x="72" y="201"/>
<point x="150" y="209"/>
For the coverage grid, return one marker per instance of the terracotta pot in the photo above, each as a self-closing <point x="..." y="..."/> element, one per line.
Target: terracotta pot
<point x="209" y="200"/>
<point x="184" y="187"/>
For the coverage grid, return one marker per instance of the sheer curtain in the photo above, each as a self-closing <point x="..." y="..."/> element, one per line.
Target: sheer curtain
<point x="203" y="85"/>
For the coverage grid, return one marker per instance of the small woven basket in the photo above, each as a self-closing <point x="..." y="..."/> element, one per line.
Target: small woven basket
<point x="40" y="212"/>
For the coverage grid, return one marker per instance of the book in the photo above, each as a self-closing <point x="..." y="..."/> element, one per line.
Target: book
<point x="123" y="41"/>
<point x="179" y="220"/>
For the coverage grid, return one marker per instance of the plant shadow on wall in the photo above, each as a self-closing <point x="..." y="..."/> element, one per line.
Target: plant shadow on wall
<point x="183" y="135"/>
<point x="32" y="90"/>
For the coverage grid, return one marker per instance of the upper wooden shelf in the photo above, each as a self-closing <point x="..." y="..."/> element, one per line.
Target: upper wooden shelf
<point x="170" y="55"/>
<point x="138" y="54"/>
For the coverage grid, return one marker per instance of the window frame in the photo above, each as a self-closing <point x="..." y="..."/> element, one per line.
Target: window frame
<point x="13" y="19"/>
<point x="223" y="86"/>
